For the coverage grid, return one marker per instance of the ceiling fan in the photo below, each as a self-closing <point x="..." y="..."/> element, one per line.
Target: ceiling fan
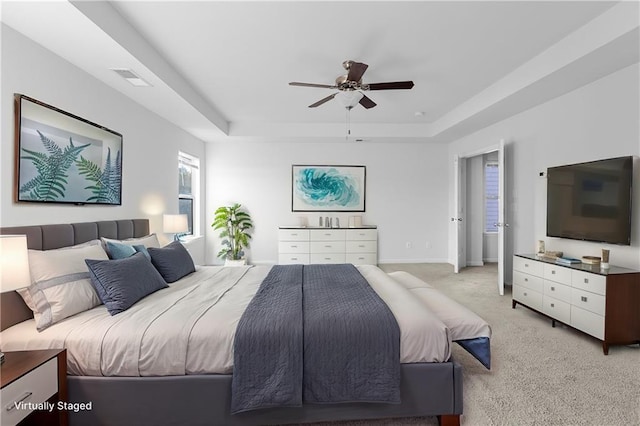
<point x="352" y="83"/>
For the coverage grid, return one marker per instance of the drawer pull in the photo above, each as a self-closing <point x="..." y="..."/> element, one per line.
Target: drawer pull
<point x="362" y="234"/>
<point x="526" y="280"/>
<point x="328" y="235"/>
<point x="294" y="246"/>
<point x="327" y="258"/>
<point x="525" y="293"/>
<point x="526" y="265"/>
<point x="14" y="404"/>
<point x="294" y="235"/>
<point x="294" y="258"/>
<point x="553" y="289"/>
<point x="583" y="298"/>
<point x="553" y="272"/>
<point x="361" y="258"/>
<point x="361" y="245"/>
<point x="586" y="280"/>
<point x="553" y="305"/>
<point x="328" y="245"/>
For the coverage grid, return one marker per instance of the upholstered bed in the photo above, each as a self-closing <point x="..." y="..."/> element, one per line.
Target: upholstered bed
<point x="138" y="377"/>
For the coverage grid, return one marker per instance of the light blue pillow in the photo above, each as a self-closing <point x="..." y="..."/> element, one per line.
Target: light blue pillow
<point x="173" y="261"/>
<point x="119" y="251"/>
<point x="142" y="249"/>
<point x="122" y="282"/>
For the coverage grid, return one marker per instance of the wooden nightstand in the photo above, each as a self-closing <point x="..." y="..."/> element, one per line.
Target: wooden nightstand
<point x="32" y="383"/>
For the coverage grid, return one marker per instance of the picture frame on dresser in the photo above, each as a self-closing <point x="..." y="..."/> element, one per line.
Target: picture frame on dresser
<point x="328" y="188"/>
<point x="63" y="158"/>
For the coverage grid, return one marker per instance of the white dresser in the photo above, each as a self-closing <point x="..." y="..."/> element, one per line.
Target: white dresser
<point x="601" y="303"/>
<point x="358" y="246"/>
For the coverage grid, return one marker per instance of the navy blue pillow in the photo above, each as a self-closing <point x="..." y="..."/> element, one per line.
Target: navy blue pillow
<point x="122" y="282"/>
<point x="173" y="261"/>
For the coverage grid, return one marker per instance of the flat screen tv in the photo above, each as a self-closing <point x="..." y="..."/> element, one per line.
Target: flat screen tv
<point x="591" y="201"/>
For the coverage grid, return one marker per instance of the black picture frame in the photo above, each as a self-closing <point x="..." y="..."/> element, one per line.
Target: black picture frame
<point x="63" y="158"/>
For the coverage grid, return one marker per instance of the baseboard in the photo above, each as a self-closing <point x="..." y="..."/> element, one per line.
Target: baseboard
<point x="413" y="261"/>
<point x="491" y="260"/>
<point x="475" y="263"/>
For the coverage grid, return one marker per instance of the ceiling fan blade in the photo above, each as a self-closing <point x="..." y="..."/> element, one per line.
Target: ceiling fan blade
<point x="324" y="86"/>
<point x="367" y="102"/>
<point x="356" y="70"/>
<point x="391" y="85"/>
<point x="323" y="100"/>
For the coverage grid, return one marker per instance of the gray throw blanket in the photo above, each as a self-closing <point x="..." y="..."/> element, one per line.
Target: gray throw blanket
<point x="267" y="353"/>
<point x="351" y="341"/>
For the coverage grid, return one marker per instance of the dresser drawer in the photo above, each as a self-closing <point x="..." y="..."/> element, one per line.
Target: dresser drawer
<point x="529" y="281"/>
<point x="528" y="297"/>
<point x="362" y="234"/>
<point x="327" y="234"/>
<point x="327" y="247"/>
<point x="588" y="322"/>
<point x="293" y="247"/>
<point x="327" y="258"/>
<point x="362" y="246"/>
<point x="293" y="259"/>
<point x="528" y="266"/>
<point x="34" y="387"/>
<point x="361" y="258"/>
<point x="293" y="234"/>
<point x="557" y="291"/>
<point x="589" y="301"/>
<point x="590" y="282"/>
<point x="557" y="273"/>
<point x="556" y="309"/>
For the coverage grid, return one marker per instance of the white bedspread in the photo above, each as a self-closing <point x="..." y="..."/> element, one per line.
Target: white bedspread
<point x="189" y="327"/>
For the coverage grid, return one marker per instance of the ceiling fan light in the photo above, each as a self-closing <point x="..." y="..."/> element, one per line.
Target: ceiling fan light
<point x="349" y="98"/>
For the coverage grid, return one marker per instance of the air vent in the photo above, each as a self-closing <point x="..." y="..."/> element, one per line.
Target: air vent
<point x="131" y="77"/>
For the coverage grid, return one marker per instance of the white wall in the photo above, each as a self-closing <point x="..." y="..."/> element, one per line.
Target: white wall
<point x="150" y="146"/>
<point x="600" y="120"/>
<point x="406" y="193"/>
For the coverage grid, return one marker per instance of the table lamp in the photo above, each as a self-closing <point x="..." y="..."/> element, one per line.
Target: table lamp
<point x="14" y="265"/>
<point x="176" y="224"/>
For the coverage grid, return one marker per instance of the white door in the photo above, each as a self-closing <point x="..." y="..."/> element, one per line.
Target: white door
<point x="458" y="216"/>
<point x="457" y="219"/>
<point x="502" y="224"/>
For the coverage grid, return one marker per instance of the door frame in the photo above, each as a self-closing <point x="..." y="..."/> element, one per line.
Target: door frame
<point x="459" y="209"/>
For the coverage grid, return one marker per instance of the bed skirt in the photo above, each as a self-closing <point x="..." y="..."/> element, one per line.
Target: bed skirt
<point x="427" y="389"/>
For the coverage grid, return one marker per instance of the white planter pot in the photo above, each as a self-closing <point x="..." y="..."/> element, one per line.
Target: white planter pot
<point x="238" y="262"/>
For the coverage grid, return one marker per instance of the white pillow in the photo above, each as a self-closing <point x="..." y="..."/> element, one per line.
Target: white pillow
<point x="147" y="241"/>
<point x="61" y="285"/>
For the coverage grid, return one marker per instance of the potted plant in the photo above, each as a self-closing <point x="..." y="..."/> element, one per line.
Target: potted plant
<point x="235" y="225"/>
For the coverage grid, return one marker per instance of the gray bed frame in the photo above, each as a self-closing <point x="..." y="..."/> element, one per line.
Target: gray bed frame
<point x="427" y="389"/>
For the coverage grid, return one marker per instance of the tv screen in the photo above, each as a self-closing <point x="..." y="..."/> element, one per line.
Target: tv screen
<point x="591" y="201"/>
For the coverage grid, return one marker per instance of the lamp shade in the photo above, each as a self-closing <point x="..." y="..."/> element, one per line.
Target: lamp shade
<point x="175" y="223"/>
<point x="349" y="98"/>
<point x="14" y="262"/>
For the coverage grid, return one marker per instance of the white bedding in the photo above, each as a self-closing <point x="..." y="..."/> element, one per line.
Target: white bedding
<point x="189" y="327"/>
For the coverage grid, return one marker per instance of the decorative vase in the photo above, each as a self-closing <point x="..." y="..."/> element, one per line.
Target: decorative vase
<point x="235" y="262"/>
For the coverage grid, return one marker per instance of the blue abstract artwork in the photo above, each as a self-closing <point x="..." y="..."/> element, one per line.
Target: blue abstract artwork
<point x="328" y="188"/>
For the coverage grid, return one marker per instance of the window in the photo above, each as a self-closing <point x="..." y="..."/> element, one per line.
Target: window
<point x="491" y="197"/>
<point x="188" y="189"/>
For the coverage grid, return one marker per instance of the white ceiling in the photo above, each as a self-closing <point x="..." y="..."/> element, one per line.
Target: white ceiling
<point x="220" y="70"/>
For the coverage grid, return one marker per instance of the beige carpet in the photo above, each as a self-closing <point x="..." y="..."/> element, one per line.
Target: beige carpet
<point x="540" y="375"/>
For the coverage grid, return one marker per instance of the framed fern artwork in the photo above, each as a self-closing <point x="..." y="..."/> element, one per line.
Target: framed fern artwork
<point x="62" y="158"/>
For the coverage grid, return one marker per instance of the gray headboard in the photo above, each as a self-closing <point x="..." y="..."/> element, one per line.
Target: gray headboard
<point x="47" y="237"/>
